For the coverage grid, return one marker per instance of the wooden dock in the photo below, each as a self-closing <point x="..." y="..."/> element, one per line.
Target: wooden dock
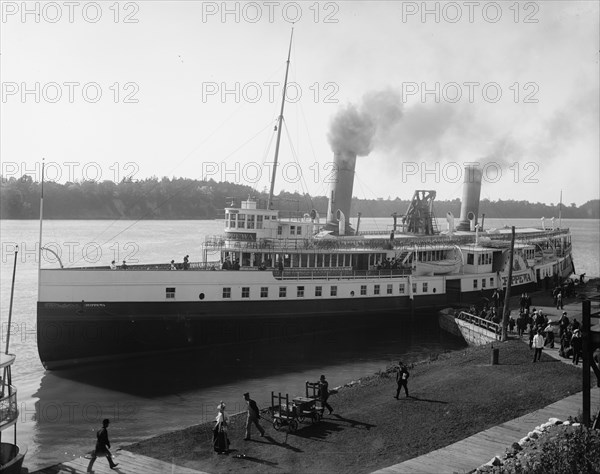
<point x="128" y="463"/>
<point x="470" y="453"/>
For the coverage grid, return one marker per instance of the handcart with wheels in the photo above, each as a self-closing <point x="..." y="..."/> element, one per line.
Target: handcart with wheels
<point x="307" y="406"/>
<point x="284" y="413"/>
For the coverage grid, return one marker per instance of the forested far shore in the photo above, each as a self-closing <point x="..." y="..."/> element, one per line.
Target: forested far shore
<point x="181" y="198"/>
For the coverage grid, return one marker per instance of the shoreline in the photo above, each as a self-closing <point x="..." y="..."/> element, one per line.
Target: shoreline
<point x="370" y="430"/>
<point x="454" y="395"/>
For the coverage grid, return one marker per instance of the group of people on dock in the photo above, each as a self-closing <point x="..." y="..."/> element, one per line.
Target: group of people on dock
<point x="221" y="443"/>
<point x="541" y="334"/>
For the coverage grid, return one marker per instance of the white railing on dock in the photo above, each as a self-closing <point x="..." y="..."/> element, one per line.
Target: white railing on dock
<point x="481" y="322"/>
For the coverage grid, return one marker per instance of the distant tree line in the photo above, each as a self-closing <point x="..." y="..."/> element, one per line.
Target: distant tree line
<point x="181" y="198"/>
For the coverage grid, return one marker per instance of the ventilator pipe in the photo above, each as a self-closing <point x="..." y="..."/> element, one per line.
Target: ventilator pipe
<point x="472" y="220"/>
<point x="341" y="222"/>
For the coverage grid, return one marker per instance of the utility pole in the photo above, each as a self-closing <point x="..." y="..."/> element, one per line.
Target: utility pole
<point x="508" y="285"/>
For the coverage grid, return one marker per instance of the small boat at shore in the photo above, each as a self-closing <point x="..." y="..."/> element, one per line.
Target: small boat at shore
<point x="11" y="455"/>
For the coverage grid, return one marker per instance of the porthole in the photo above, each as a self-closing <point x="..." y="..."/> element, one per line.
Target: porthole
<point x="201" y="296"/>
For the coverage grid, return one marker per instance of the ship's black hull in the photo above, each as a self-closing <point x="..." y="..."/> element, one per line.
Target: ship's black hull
<point x="77" y="333"/>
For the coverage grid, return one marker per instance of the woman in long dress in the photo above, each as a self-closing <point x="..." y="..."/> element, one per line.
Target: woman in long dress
<point x="220" y="438"/>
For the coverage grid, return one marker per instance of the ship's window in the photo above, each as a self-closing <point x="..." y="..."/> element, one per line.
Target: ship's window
<point x="318" y="290"/>
<point x="327" y="260"/>
<point x="259" y="222"/>
<point x="241" y="221"/>
<point x="226" y="292"/>
<point x="245" y="292"/>
<point x="376" y="290"/>
<point x="299" y="231"/>
<point x="470" y="259"/>
<point x="475" y="284"/>
<point x="170" y="293"/>
<point x="414" y="288"/>
<point x="491" y="281"/>
<point x="232" y="220"/>
<point x="401" y="288"/>
<point x="300" y="292"/>
<point x="282" y="291"/>
<point x="333" y="291"/>
<point x="425" y="288"/>
<point x="319" y="260"/>
<point x="264" y="291"/>
<point x="279" y="230"/>
<point x="390" y="289"/>
<point x="292" y="230"/>
<point x="250" y="221"/>
<point x="483" y="283"/>
<point x="363" y="290"/>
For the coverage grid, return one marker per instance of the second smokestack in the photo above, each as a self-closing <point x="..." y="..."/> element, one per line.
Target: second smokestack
<point x="470" y="200"/>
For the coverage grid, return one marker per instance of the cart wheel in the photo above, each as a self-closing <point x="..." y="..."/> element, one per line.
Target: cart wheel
<point x="277" y="424"/>
<point x="316" y="417"/>
<point x="293" y="425"/>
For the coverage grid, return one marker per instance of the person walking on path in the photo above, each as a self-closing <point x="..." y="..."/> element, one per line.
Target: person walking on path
<point x="402" y="380"/>
<point x="220" y="438"/>
<point x="324" y="393"/>
<point x="559" y="301"/>
<point x="102" y="446"/>
<point x="549" y="334"/>
<point x="563" y="323"/>
<point x="532" y="332"/>
<point x="253" y="417"/>
<point x="538" y="345"/>
<point x="576" y="344"/>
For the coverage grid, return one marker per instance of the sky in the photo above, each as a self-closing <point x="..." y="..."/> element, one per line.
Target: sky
<point x="111" y="90"/>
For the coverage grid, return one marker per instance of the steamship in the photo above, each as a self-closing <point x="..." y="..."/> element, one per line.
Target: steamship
<point x="270" y="275"/>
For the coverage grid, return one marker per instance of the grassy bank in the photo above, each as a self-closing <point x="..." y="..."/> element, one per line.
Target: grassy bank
<point x="453" y="397"/>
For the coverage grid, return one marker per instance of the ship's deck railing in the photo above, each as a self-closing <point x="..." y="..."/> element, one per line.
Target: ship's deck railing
<point x="481" y="322"/>
<point x="419" y="241"/>
<point x="333" y="274"/>
<point x="9" y="410"/>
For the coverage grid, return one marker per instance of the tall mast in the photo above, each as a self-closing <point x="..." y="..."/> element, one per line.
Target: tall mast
<point x="279" y="122"/>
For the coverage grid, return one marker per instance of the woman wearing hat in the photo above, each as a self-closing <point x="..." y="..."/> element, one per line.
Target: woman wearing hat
<point x="220" y="438"/>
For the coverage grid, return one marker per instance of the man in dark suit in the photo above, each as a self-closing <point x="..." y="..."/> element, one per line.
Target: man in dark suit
<point x="102" y="446"/>
<point x="253" y="417"/>
<point x="324" y="393"/>
<point x="402" y="379"/>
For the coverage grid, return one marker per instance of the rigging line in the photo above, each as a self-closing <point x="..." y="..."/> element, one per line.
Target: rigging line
<point x="189" y="154"/>
<point x="295" y="156"/>
<point x="151" y="211"/>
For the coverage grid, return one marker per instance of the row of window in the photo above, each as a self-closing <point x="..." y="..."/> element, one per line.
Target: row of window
<point x="246" y="221"/>
<point x="333" y="290"/>
<point x="483" y="283"/>
<point x="294" y="230"/>
<point x="482" y="259"/>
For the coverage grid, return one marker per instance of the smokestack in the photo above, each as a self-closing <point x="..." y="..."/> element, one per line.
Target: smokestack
<point x="470" y="201"/>
<point x="340" y="194"/>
